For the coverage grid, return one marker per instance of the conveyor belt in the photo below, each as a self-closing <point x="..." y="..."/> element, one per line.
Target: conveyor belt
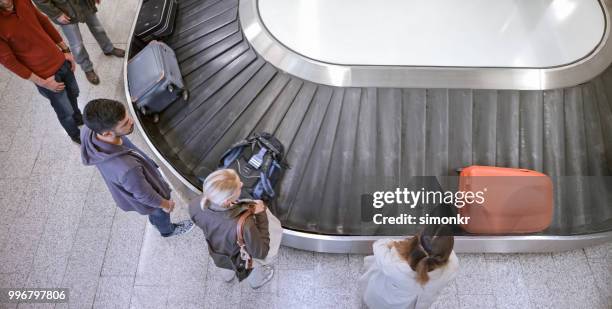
<point x="342" y="142"/>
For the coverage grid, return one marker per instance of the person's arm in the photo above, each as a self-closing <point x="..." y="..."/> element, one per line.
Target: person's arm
<point x="49" y="8"/>
<point x="8" y="59"/>
<point x="47" y="25"/>
<point x="135" y="183"/>
<point x="257" y="236"/>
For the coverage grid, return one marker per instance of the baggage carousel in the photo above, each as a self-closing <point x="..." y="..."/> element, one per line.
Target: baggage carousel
<point x="352" y="130"/>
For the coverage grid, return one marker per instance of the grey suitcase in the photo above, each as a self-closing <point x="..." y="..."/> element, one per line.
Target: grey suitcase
<point x="154" y="78"/>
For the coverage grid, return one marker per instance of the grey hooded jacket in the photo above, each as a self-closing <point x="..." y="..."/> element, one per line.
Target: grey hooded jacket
<point x="131" y="176"/>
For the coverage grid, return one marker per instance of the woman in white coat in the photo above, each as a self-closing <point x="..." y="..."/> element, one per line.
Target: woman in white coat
<point x="409" y="273"/>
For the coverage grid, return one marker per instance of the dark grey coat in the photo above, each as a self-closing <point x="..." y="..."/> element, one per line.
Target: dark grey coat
<point x="219" y="227"/>
<point x="77" y="10"/>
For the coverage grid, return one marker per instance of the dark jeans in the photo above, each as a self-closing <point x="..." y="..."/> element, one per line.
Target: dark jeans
<point x="65" y="102"/>
<point x="161" y="220"/>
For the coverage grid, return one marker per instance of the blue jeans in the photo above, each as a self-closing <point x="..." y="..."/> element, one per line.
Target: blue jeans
<point x="161" y="220"/>
<point x="75" y="40"/>
<point x="65" y="102"/>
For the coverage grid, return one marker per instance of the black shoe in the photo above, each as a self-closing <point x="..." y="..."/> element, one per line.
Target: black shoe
<point x="117" y="52"/>
<point x="76" y="140"/>
<point x="79" y="122"/>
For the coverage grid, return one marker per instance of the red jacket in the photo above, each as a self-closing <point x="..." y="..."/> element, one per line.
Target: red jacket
<point x="28" y="42"/>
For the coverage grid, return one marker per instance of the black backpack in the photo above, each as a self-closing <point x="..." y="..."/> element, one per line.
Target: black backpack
<point x="259" y="162"/>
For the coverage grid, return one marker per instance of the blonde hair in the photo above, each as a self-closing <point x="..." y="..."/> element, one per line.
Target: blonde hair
<point x="219" y="186"/>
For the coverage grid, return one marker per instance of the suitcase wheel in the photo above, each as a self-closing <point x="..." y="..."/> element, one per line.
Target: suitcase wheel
<point x="185" y="95"/>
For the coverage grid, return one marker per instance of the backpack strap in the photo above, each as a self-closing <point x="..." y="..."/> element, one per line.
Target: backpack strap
<point x="269" y="145"/>
<point x="244" y="254"/>
<point x="232" y="153"/>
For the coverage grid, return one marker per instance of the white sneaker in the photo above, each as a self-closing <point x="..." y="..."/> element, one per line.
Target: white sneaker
<point x="260" y="276"/>
<point x="227" y="275"/>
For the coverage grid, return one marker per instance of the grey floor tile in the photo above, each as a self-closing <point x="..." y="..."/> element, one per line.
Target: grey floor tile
<point x="332" y="271"/>
<point x="19" y="249"/>
<point x="573" y="272"/>
<point x="155" y="265"/>
<point x="51" y="258"/>
<point x="98" y="211"/>
<point x="13" y="196"/>
<point x="509" y="286"/>
<point x="473" y="276"/>
<point x="75" y="184"/>
<point x="289" y="258"/>
<point x="82" y="292"/>
<point x="476" y="301"/>
<point x="38" y="205"/>
<point x="66" y="210"/>
<point x="97" y="183"/>
<point x="114" y="292"/>
<point x="122" y="254"/>
<point x="602" y="272"/>
<point x="16" y="164"/>
<point x="131" y="219"/>
<point x="332" y="298"/>
<point x="296" y="286"/>
<point x="48" y="273"/>
<point x="146" y="297"/>
<point x="599" y="252"/>
<point x="190" y="259"/>
<point x="187" y="296"/>
<point x="259" y="300"/>
<point x="356" y="263"/>
<point x="220" y="294"/>
<point x="85" y="264"/>
<point x="13" y="280"/>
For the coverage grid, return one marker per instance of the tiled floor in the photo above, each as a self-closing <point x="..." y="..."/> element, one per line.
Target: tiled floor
<point x="60" y="228"/>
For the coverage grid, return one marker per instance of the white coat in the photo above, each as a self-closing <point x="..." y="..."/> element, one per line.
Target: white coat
<point x="391" y="283"/>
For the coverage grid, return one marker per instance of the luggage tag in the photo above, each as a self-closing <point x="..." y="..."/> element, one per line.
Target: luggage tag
<point x="256" y="160"/>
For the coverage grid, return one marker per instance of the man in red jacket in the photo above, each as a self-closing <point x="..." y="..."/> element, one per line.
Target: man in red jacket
<point x="31" y="48"/>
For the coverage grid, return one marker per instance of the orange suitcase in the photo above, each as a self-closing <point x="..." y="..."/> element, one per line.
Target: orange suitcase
<point x="513" y="201"/>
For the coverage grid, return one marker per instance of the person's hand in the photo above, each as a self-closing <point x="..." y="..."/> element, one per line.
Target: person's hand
<point x="259" y="206"/>
<point x="167" y="205"/>
<point x="70" y="58"/>
<point x="63" y="19"/>
<point x="53" y="85"/>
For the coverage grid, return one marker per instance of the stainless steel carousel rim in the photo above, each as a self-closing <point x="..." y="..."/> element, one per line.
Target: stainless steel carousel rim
<point x="362" y="244"/>
<point x="290" y="61"/>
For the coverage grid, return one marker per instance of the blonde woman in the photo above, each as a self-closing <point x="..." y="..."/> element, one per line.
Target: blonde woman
<point x="217" y="213"/>
<point x="409" y="273"/>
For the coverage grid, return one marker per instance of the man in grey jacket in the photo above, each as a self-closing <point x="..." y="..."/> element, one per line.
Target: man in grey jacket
<point x="131" y="176"/>
<point x="68" y="14"/>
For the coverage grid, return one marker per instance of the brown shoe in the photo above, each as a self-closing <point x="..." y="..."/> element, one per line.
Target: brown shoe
<point x="92" y="77"/>
<point x="117" y="52"/>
